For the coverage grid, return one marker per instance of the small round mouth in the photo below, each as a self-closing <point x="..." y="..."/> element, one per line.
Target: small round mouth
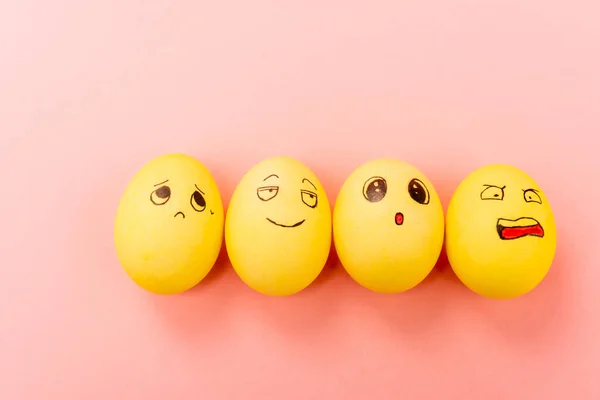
<point x="399" y="218"/>
<point x="178" y="213"/>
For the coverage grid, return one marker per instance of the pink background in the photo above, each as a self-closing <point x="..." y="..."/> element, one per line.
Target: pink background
<point x="90" y="91"/>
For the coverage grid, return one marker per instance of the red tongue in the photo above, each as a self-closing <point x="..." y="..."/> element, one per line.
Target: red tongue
<point x="519" y="231"/>
<point x="399" y="219"/>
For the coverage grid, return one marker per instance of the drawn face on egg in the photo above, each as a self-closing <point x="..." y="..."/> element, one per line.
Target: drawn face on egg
<point x="163" y="193"/>
<point x="375" y="189"/>
<point x="306" y="192"/>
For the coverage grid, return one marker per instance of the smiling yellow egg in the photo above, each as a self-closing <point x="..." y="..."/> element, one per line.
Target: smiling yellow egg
<point x="278" y="227"/>
<point x="500" y="232"/>
<point x="388" y="226"/>
<point x="168" y="228"/>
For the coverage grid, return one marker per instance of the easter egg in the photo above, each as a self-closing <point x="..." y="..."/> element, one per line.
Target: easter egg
<point x="168" y="228"/>
<point x="500" y="232"/>
<point x="278" y="227"/>
<point x="388" y="226"/>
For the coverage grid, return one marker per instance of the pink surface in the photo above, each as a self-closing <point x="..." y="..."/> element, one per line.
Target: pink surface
<point x="88" y="93"/>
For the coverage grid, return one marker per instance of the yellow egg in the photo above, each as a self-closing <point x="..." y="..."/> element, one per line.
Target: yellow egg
<point x="278" y="227"/>
<point x="388" y="226"/>
<point x="169" y="225"/>
<point x="500" y="232"/>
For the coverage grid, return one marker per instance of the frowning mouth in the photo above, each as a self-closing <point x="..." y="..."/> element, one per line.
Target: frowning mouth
<point x="286" y="226"/>
<point x="179" y="212"/>
<point x="509" y="229"/>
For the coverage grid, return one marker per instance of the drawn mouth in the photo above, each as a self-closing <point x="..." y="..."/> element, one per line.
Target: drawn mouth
<point x="286" y="226"/>
<point x="399" y="218"/>
<point x="179" y="212"/>
<point x="509" y="229"/>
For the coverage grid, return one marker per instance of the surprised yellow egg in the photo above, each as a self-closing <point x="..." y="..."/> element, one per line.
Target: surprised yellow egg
<point x="388" y="226"/>
<point x="278" y="227"/>
<point x="500" y="232"/>
<point x="168" y="228"/>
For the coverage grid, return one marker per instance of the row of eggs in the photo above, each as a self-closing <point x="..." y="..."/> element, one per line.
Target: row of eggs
<point x="388" y="227"/>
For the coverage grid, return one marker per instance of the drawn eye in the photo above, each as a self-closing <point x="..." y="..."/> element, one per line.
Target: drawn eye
<point x="309" y="198"/>
<point x="531" y="196"/>
<point x="418" y="191"/>
<point x="161" y="195"/>
<point x="197" y="201"/>
<point x="375" y="189"/>
<point x="492" y="193"/>
<point x="266" y="193"/>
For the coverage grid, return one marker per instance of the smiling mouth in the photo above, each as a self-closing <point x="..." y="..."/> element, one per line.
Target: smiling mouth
<point x="509" y="229"/>
<point x="286" y="226"/>
<point x="179" y="212"/>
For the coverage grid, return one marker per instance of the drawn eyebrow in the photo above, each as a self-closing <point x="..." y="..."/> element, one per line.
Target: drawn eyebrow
<point x="270" y="176"/>
<point x="499" y="187"/>
<point x="532" y="189"/>
<point x="199" y="189"/>
<point x="161" y="183"/>
<point x="306" y="180"/>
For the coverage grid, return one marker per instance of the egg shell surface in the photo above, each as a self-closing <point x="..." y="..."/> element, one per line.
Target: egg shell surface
<point x="500" y="232"/>
<point x="169" y="223"/>
<point x="278" y="227"/>
<point x="388" y="225"/>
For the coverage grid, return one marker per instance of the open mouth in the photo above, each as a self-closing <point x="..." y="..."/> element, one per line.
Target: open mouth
<point x="286" y="226"/>
<point x="517" y="228"/>
<point x="178" y="213"/>
<point x="399" y="218"/>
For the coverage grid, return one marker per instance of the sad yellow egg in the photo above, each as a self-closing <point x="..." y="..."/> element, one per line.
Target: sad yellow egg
<point x="388" y="226"/>
<point x="278" y="227"/>
<point x="500" y="232"/>
<point x="169" y="223"/>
